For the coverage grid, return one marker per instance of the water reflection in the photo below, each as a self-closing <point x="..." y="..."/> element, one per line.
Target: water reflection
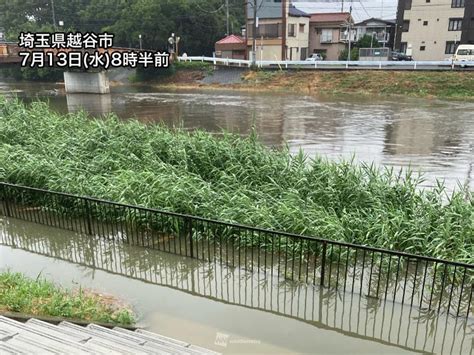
<point x="384" y="323"/>
<point x="429" y="135"/>
<point x="98" y="104"/>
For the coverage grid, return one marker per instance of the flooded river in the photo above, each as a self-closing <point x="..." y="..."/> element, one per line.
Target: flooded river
<point x="432" y="136"/>
<point x="227" y="310"/>
<point x="233" y="312"/>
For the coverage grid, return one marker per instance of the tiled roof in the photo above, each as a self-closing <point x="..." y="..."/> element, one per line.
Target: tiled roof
<point x="330" y="17"/>
<point x="231" y="39"/>
<point x="293" y="11"/>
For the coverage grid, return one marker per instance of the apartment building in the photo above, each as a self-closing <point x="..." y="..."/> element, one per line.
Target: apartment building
<point x="432" y="29"/>
<point x="282" y="30"/>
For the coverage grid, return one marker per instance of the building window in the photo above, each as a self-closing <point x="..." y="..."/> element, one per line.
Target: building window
<point x="407" y="4"/>
<point x="267" y="30"/>
<point x="403" y="47"/>
<point x="304" y="53"/>
<point x="428" y="0"/>
<point x="301" y="27"/>
<point x="455" y="24"/>
<point x="326" y="36"/>
<point x="422" y="48"/>
<point x="291" y="30"/>
<point x="425" y="23"/>
<point x="457" y="3"/>
<point x="406" y="26"/>
<point x="450" y="47"/>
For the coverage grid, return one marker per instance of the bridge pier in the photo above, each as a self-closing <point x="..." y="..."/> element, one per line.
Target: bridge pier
<point x="86" y="82"/>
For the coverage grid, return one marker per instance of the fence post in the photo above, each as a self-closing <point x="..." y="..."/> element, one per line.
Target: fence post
<point x="323" y="263"/>
<point x="189" y="231"/>
<point x="88" y="213"/>
<point x="7" y="206"/>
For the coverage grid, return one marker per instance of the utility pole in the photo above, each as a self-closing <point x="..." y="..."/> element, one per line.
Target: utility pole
<point x="342" y="6"/>
<point x="254" y="34"/>
<point x="54" y="16"/>
<point x="227" y="16"/>
<point x="350" y="30"/>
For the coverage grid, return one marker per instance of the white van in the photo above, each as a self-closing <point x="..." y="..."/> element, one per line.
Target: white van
<point x="464" y="53"/>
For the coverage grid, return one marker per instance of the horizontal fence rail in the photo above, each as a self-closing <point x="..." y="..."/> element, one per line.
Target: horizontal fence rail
<point x="428" y="283"/>
<point x="333" y="64"/>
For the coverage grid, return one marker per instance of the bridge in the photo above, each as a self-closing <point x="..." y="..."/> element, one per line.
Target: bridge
<point x="77" y="81"/>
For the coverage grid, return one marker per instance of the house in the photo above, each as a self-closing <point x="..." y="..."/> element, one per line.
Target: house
<point x="282" y="31"/>
<point x="232" y="47"/>
<point x="329" y="33"/>
<point x="431" y="30"/>
<point x="380" y="30"/>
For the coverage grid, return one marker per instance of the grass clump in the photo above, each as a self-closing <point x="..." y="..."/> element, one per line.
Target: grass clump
<point x="232" y="179"/>
<point x="42" y="298"/>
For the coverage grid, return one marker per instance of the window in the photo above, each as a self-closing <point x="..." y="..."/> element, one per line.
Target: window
<point x="457" y="3"/>
<point x="407" y="4"/>
<point x="422" y="48"/>
<point x="450" y="47"/>
<point x="428" y="0"/>
<point x="268" y="30"/>
<point x="403" y="47"/>
<point x="326" y="36"/>
<point x="455" y="24"/>
<point x="406" y="26"/>
<point x="304" y="53"/>
<point x="291" y="30"/>
<point x="425" y="23"/>
<point x="301" y="27"/>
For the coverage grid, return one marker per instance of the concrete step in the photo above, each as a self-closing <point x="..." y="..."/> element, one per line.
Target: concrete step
<point x="36" y="336"/>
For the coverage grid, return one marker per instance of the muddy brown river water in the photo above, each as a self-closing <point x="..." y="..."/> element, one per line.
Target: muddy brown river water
<point x="432" y="136"/>
<point x="228" y="310"/>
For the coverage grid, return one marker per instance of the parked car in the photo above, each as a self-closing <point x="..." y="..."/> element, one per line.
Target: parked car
<point x="464" y="53"/>
<point x="399" y="56"/>
<point x="314" y="57"/>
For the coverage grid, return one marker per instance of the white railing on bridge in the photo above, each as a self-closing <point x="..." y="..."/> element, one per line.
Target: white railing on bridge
<point x="328" y="64"/>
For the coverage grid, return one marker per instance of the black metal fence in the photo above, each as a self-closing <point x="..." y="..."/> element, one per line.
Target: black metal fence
<point x="429" y="283"/>
<point x="364" y="318"/>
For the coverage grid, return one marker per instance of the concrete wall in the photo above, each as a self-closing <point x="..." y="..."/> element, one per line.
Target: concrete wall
<point x="434" y="35"/>
<point x="85" y="82"/>
<point x="269" y="9"/>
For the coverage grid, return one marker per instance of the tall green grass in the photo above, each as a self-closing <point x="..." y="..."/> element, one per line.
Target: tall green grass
<point x="42" y="298"/>
<point x="233" y="179"/>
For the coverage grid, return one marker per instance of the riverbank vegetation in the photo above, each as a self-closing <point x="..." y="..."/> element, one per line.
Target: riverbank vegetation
<point x="39" y="297"/>
<point x="233" y="179"/>
<point x="448" y="85"/>
<point x="457" y="85"/>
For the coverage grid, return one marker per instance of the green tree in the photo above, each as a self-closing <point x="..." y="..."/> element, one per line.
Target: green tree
<point x="365" y="42"/>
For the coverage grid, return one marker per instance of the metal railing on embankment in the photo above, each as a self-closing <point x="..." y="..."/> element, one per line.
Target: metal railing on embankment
<point x="429" y="283"/>
<point x="333" y="64"/>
